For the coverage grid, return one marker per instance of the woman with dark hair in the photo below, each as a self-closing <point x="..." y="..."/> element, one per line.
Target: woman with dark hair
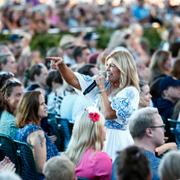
<point x="31" y="110"/>
<point x="36" y="75"/>
<point x="132" y="164"/>
<point x="4" y="76"/>
<point x="10" y="95"/>
<point x="54" y="82"/>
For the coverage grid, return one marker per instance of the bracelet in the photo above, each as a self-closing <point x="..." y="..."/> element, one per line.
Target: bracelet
<point x="103" y="90"/>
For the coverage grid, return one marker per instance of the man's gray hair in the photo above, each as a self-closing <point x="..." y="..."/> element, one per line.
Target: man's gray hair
<point x="169" y="166"/>
<point x="59" y="168"/>
<point x="141" y="120"/>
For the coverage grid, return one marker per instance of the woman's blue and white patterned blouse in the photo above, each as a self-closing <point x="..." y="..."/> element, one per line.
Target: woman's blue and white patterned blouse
<point x="125" y="102"/>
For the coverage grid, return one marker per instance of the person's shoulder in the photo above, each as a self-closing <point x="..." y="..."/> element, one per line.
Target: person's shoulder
<point x="7" y="115"/>
<point x="102" y="156"/>
<point x="130" y="88"/>
<point x="103" y="163"/>
<point x="30" y="128"/>
<point x="7" y="118"/>
<point x="151" y="157"/>
<point x="129" y="91"/>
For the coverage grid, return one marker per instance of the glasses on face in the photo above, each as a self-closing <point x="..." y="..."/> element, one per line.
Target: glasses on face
<point x="160" y="126"/>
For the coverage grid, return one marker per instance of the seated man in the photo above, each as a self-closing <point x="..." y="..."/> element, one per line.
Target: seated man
<point x="147" y="130"/>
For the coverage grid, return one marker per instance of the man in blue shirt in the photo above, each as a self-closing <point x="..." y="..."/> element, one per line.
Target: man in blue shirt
<point x="147" y="129"/>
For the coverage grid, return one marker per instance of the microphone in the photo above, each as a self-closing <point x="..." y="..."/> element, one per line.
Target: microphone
<point x="93" y="85"/>
<point x="90" y="88"/>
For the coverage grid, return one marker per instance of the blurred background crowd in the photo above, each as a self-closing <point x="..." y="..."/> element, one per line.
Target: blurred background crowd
<point x="84" y="33"/>
<point x="31" y="28"/>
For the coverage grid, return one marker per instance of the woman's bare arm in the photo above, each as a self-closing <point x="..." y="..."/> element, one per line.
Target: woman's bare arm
<point x="65" y="71"/>
<point x="108" y="112"/>
<point x="38" y="141"/>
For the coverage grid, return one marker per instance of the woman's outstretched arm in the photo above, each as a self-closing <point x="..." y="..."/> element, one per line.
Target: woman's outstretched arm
<point x="68" y="75"/>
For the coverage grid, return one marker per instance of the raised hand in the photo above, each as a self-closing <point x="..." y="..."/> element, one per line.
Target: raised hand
<point x="55" y="61"/>
<point x="7" y="165"/>
<point x="100" y="80"/>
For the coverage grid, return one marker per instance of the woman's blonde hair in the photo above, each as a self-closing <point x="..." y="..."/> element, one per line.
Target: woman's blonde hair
<point x="86" y="134"/>
<point x="125" y="62"/>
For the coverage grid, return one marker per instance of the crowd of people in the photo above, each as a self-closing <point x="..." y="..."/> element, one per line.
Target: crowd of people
<point x="90" y="113"/>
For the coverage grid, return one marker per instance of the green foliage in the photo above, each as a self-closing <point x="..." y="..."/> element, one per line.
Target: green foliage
<point x="153" y="37"/>
<point x="4" y="38"/>
<point x="43" y="42"/>
<point x="104" y="38"/>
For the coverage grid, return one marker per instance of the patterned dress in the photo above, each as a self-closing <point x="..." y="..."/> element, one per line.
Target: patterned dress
<point x="24" y="132"/>
<point x="125" y="102"/>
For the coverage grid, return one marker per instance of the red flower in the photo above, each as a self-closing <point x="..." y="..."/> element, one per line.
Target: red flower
<point x="94" y="116"/>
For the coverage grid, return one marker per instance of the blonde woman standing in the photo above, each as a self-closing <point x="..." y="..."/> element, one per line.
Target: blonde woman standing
<point x="117" y="95"/>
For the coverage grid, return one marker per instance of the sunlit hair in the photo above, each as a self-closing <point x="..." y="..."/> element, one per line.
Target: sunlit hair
<point x="59" y="168"/>
<point x="141" y="120"/>
<point x="169" y="166"/>
<point x="27" y="110"/>
<point x="6" y="92"/>
<point x="157" y="62"/>
<point x="125" y="62"/>
<point x="86" y="134"/>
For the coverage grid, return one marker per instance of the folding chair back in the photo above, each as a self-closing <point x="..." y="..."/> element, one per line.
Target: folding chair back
<point x="8" y="148"/>
<point x="175" y="129"/>
<point x="26" y="159"/>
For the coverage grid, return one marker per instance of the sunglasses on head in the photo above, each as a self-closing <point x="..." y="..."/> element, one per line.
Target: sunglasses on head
<point x="12" y="81"/>
<point x="6" y="74"/>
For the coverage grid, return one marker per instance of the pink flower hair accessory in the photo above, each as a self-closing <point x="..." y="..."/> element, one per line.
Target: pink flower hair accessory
<point x="94" y="116"/>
